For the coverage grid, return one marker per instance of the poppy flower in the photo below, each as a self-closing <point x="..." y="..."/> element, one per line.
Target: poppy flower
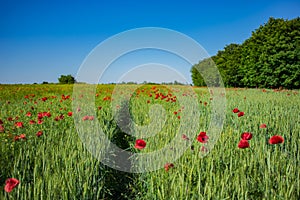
<point x="16" y="138"/>
<point x="243" y="144"/>
<point x="202" y="137"/>
<point x="235" y="110"/>
<point x="10" y="184"/>
<point x="85" y="118"/>
<point x="246" y="136"/>
<point x="276" y="139"/>
<point x="70" y="114"/>
<point x="203" y="149"/>
<point x="40" y="115"/>
<point x="240" y="114"/>
<point x="185" y="137"/>
<point x="263" y="126"/>
<point x="46" y="114"/>
<point x="91" y="118"/>
<point x="140" y="144"/>
<point x="39" y="133"/>
<point x="19" y="124"/>
<point x="28" y="114"/>
<point x="1" y="129"/>
<point x="168" y="166"/>
<point x="32" y="122"/>
<point x="1" y="122"/>
<point x="22" y="136"/>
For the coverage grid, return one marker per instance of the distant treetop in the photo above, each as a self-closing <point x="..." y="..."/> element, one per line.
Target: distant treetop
<point x="66" y="79"/>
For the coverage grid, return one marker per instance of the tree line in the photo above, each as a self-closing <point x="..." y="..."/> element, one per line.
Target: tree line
<point x="270" y="58"/>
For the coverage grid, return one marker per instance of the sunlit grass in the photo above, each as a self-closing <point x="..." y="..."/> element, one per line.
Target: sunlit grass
<point x="57" y="164"/>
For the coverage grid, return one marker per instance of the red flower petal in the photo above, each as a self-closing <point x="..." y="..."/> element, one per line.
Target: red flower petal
<point x="276" y="139"/>
<point x="202" y="137"/>
<point x="168" y="166"/>
<point x="246" y="136"/>
<point x="140" y="144"/>
<point x="10" y="184"/>
<point x="39" y="133"/>
<point x="263" y="126"/>
<point x="235" y="110"/>
<point x="22" y="136"/>
<point x="185" y="137"/>
<point x="240" y="114"/>
<point x="243" y="144"/>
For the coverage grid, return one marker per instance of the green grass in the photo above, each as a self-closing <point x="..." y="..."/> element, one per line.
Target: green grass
<point x="58" y="165"/>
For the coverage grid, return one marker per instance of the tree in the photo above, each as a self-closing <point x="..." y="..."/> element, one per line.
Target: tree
<point x="66" y="79"/>
<point x="270" y="58"/>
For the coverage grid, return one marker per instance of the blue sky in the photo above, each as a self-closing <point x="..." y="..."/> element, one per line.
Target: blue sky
<point x="40" y="40"/>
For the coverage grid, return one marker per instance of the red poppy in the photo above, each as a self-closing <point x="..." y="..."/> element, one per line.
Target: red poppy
<point x="243" y="144"/>
<point x="46" y="114"/>
<point x="16" y="138"/>
<point x="168" y="166"/>
<point x="202" y="137"/>
<point x="32" y="122"/>
<point x="263" y="126"/>
<point x="185" y="137"/>
<point x="1" y="122"/>
<point x="22" y="136"/>
<point x="40" y="121"/>
<point x="91" y="118"/>
<point x="240" y="114"/>
<point x="28" y="114"/>
<point x="140" y="144"/>
<point x="246" y="136"/>
<point x="70" y="114"/>
<point x="40" y="115"/>
<point x="178" y="117"/>
<point x="85" y="118"/>
<point x="19" y="124"/>
<point x="10" y="184"/>
<point x="39" y="133"/>
<point x="235" y="110"/>
<point x="1" y="129"/>
<point x="276" y="139"/>
<point x="204" y="149"/>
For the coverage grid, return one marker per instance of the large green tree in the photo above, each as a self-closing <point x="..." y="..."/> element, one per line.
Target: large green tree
<point x="269" y="58"/>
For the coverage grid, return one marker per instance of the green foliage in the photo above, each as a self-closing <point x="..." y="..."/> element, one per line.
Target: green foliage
<point x="66" y="79"/>
<point x="270" y="58"/>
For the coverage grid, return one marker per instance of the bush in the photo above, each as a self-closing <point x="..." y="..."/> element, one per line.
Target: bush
<point x="68" y="79"/>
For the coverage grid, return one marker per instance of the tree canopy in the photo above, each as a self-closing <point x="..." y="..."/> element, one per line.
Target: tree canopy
<point x="270" y="58"/>
<point x="66" y="79"/>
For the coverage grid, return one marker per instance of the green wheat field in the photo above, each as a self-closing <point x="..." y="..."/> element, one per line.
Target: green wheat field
<point x="40" y="146"/>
